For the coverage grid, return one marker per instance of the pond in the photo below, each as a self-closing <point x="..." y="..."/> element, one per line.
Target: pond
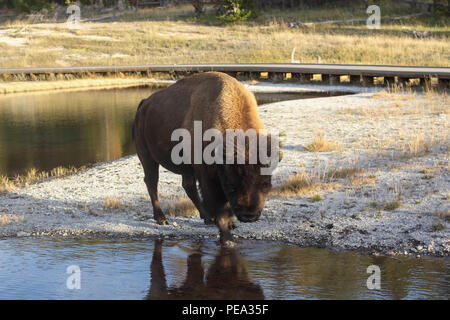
<point x="36" y="268"/>
<point x="76" y="128"/>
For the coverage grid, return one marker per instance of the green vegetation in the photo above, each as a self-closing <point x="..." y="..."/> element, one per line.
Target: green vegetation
<point x="438" y="227"/>
<point x="316" y="198"/>
<point x="393" y="205"/>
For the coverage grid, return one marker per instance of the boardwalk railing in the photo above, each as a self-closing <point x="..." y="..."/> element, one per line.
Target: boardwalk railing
<point x="330" y="73"/>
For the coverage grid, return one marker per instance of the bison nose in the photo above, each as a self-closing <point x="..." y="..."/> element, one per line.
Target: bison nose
<point x="249" y="216"/>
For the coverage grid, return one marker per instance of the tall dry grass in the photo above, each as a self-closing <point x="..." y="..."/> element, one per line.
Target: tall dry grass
<point x="181" y="207"/>
<point x="321" y="144"/>
<point x="320" y="179"/>
<point x="32" y="176"/>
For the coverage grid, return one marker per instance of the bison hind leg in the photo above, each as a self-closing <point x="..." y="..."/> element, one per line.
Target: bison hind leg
<point x="151" y="171"/>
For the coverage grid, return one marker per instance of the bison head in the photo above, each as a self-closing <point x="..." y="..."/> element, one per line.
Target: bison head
<point x="246" y="185"/>
<point x="246" y="189"/>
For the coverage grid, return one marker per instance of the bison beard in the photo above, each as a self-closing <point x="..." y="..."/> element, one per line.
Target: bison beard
<point x="227" y="190"/>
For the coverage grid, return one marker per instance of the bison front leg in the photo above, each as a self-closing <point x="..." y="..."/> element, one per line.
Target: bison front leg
<point x="224" y="221"/>
<point x="190" y="186"/>
<point x="215" y="202"/>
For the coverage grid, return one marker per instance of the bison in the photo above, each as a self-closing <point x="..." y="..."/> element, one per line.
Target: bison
<point x="225" y="190"/>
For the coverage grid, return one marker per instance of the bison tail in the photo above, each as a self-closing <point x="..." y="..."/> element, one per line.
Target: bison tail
<point x="134" y="122"/>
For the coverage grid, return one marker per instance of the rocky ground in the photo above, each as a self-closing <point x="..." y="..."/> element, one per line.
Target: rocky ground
<point x="386" y="154"/>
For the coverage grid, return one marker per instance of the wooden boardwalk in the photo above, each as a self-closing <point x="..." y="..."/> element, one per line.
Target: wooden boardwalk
<point x="330" y="73"/>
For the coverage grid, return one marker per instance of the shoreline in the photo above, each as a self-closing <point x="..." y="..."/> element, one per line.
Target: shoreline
<point x="35" y="87"/>
<point x="351" y="215"/>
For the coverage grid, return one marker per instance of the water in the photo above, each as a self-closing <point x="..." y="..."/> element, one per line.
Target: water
<point x="46" y="130"/>
<point x="35" y="268"/>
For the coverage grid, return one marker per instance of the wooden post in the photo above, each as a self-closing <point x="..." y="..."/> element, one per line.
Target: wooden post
<point x="249" y="75"/>
<point x="245" y="75"/>
<point x="302" y="77"/>
<point x="425" y="82"/>
<point x="276" y="76"/>
<point x="180" y="74"/>
<point x="389" y="81"/>
<point x="232" y="74"/>
<point x="403" y="81"/>
<point x="255" y="75"/>
<point x="355" y="79"/>
<point x="443" y="83"/>
<point x="367" y="80"/>
<point x="335" y="79"/>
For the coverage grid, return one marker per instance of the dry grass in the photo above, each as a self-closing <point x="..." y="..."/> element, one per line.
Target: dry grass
<point x="181" y="207"/>
<point x="112" y="203"/>
<point x="6" y="219"/>
<point x="6" y="185"/>
<point x="33" y="175"/>
<point x="403" y="105"/>
<point x="320" y="144"/>
<point x="318" y="180"/>
<point x="153" y="36"/>
<point x="359" y="180"/>
<point x="395" y="93"/>
<point x="295" y="186"/>
<point x="418" y="145"/>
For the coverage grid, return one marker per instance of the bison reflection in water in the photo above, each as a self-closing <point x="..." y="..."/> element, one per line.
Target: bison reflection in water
<point x="226" y="278"/>
<point x="219" y="102"/>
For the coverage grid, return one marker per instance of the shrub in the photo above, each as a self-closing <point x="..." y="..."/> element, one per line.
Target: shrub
<point x="230" y="11"/>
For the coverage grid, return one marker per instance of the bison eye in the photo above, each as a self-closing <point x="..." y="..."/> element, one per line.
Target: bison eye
<point x="266" y="185"/>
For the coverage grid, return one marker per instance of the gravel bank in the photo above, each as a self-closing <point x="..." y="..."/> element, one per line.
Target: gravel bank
<point x="399" y="144"/>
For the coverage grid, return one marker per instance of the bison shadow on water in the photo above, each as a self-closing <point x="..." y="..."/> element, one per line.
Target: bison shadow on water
<point x="226" y="279"/>
<point x="224" y="191"/>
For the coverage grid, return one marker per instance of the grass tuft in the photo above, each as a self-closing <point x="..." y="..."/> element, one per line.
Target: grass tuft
<point x="181" y="207"/>
<point x="316" y="198"/>
<point x="112" y="203"/>
<point x="6" y="219"/>
<point x="320" y="144"/>
<point x="393" y="205"/>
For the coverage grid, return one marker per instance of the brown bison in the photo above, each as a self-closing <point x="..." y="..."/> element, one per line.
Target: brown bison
<point x="215" y="101"/>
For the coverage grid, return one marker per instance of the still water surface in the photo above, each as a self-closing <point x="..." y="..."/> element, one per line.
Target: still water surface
<point x="46" y="130"/>
<point x="35" y="268"/>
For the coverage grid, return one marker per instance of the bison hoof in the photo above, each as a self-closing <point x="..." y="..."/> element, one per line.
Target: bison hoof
<point x="209" y="221"/>
<point x="162" y="221"/>
<point x="227" y="240"/>
<point x="229" y="244"/>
